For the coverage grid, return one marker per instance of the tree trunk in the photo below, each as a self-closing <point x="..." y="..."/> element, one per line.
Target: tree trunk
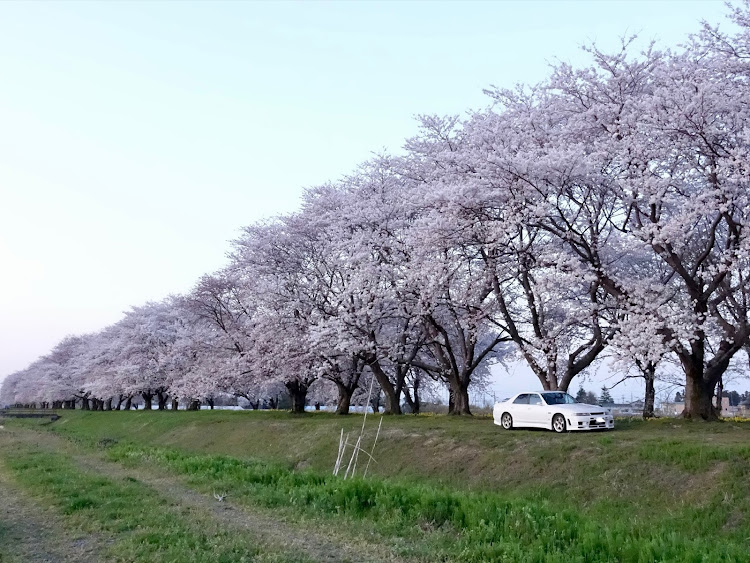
<point x="175" y="404"/>
<point x="108" y="404"/>
<point x="345" y="398"/>
<point x="719" y="395"/>
<point x="85" y="404"/>
<point x="649" y="374"/>
<point x="413" y="402"/>
<point x="392" y="400"/>
<point x="161" y="399"/>
<point x="699" y="385"/>
<point x="698" y="397"/>
<point x="128" y="403"/>
<point x="375" y="402"/>
<point x="416" y="407"/>
<point x="460" y="394"/>
<point x="147" y="398"/>
<point x="210" y="402"/>
<point x="298" y="394"/>
<point x="409" y="401"/>
<point x="120" y="399"/>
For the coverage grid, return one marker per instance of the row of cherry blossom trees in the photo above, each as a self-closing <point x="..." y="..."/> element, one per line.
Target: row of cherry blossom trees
<point x="602" y="213"/>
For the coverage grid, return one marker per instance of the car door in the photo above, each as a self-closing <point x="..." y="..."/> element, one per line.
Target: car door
<point x="536" y="411"/>
<point x="519" y="410"/>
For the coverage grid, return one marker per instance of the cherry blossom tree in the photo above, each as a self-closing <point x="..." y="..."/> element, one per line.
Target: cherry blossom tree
<point x="55" y="377"/>
<point x="606" y="207"/>
<point x="455" y="297"/>
<point x="224" y="308"/>
<point x="141" y="348"/>
<point x="637" y="165"/>
<point x="271" y="259"/>
<point x="352" y="236"/>
<point x="9" y="389"/>
<point x="674" y="132"/>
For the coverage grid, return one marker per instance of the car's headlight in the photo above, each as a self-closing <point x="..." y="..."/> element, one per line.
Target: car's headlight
<point x="582" y="414"/>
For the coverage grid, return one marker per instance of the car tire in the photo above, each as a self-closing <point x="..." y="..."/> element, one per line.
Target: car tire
<point x="558" y="424"/>
<point x="506" y="421"/>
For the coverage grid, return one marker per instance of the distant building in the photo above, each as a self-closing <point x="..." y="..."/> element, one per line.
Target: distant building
<point x="634" y="408"/>
<point x="671" y="408"/>
<point x="676" y="408"/>
<point x="727" y="411"/>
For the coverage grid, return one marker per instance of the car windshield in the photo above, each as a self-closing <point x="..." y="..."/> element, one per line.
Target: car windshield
<point x="558" y="398"/>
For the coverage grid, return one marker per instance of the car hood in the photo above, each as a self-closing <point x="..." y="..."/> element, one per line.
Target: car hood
<point x="581" y="408"/>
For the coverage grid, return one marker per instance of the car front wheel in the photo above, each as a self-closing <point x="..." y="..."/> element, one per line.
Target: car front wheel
<point x="558" y="423"/>
<point x="507" y="421"/>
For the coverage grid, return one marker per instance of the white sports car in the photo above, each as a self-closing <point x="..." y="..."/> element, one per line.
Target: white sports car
<point x="553" y="410"/>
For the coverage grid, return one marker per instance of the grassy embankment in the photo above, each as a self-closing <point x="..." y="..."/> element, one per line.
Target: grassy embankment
<point x="461" y="489"/>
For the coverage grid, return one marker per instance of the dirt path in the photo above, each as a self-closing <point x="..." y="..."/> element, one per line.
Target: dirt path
<point x="266" y="530"/>
<point x="28" y="533"/>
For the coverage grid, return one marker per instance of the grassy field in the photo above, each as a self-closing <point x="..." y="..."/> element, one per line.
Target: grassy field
<point x="442" y="489"/>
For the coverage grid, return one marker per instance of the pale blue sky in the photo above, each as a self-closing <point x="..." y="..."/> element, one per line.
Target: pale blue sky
<point x="137" y="137"/>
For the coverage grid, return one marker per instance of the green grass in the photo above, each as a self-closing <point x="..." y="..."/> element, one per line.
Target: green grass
<point x="142" y="524"/>
<point x="463" y="489"/>
<point x="465" y="526"/>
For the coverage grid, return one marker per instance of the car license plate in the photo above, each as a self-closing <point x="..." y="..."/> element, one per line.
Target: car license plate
<point x="600" y="420"/>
